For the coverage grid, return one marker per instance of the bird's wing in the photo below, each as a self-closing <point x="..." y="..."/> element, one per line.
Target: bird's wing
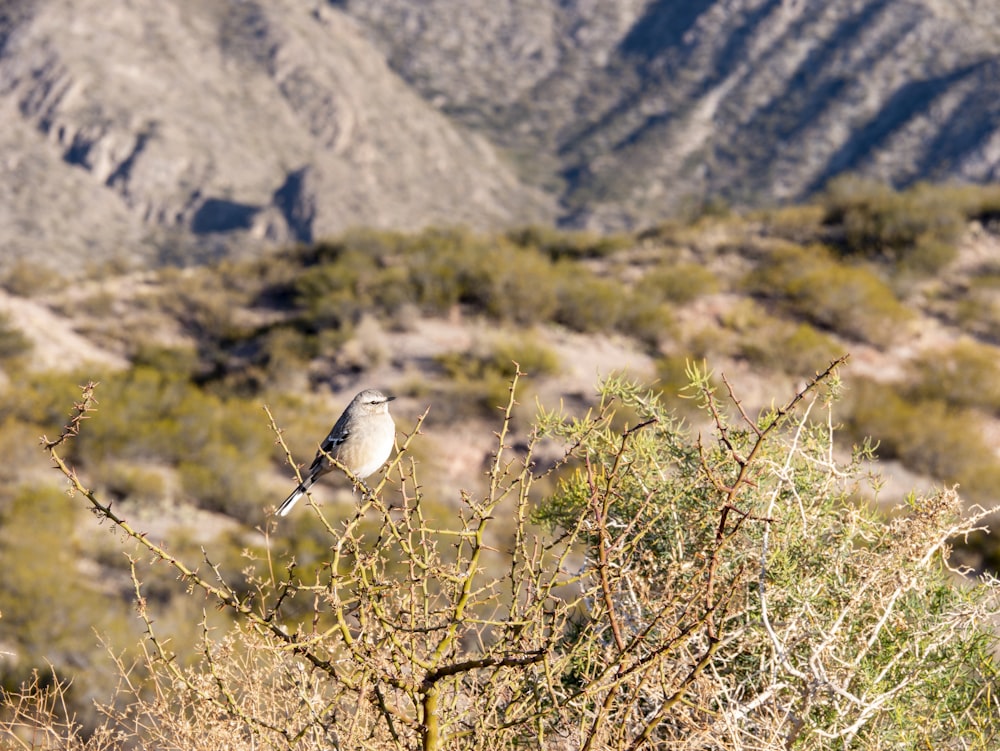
<point x="337" y="435"/>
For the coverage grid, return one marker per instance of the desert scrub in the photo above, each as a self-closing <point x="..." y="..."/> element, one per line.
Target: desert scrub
<point x="801" y="224"/>
<point x="650" y="322"/>
<point x="685" y="593"/>
<point x="976" y="307"/>
<point x="47" y="600"/>
<point x="588" y="303"/>
<point x="823" y="619"/>
<point x="15" y="347"/>
<point x="163" y="417"/>
<point x="810" y="284"/>
<point x="915" y="229"/>
<point x="775" y="343"/>
<point x="926" y="435"/>
<point x="558" y="244"/>
<point x="677" y="283"/>
<point x="478" y="381"/>
<point x="964" y="375"/>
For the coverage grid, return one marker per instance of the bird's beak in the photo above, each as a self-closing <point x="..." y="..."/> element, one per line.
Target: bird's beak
<point x="389" y="398"/>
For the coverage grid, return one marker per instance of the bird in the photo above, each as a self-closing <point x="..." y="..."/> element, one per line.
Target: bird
<point x="361" y="440"/>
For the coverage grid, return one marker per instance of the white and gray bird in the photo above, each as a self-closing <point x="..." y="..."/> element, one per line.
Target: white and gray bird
<point x="361" y="440"/>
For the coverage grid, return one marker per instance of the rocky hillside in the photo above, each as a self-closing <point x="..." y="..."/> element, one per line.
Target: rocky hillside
<point x="639" y="107"/>
<point x="151" y="133"/>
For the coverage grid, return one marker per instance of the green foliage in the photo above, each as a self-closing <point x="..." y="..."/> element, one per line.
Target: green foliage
<point x="506" y="280"/>
<point x="677" y="283"/>
<point x="14" y="345"/>
<point x="161" y="417"/>
<point x="916" y="228"/>
<point x="965" y="375"/>
<point x="926" y="435"/>
<point x="837" y="601"/>
<point x="560" y="244"/>
<point x="40" y="399"/>
<point x="135" y="481"/>
<point x="774" y="343"/>
<point x="647" y="320"/>
<point x="479" y="381"/>
<point x="48" y="598"/>
<point x="810" y="284"/>
<point x="588" y="303"/>
<point x="800" y="224"/>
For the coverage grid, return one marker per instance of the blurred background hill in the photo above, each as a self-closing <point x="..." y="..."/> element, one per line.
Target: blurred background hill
<point x="149" y="133"/>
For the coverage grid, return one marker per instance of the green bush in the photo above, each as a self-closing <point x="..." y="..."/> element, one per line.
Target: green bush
<point x="914" y="228"/>
<point x="810" y="284"/>
<point x="557" y="244"/>
<point x="479" y="381"/>
<point x="511" y="284"/>
<point x="677" y="284"/>
<point x="587" y="303"/>
<point x="134" y="481"/>
<point x="47" y="601"/>
<point x="800" y="224"/>
<point x="925" y="435"/>
<point x="14" y="345"/>
<point x="965" y="375"/>
<point x="147" y="415"/>
<point x="649" y="321"/>
<point x="774" y="343"/>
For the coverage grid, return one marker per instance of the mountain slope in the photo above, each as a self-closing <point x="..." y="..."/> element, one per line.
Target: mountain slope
<point x="176" y="132"/>
<point x="197" y="119"/>
<point x="642" y="107"/>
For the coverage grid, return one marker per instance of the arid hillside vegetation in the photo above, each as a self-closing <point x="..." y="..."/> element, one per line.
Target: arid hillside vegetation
<point x="699" y="330"/>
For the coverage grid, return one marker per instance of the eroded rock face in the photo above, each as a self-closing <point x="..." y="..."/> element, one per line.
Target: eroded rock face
<point x="212" y="124"/>
<point x="175" y="131"/>
<point x="644" y="106"/>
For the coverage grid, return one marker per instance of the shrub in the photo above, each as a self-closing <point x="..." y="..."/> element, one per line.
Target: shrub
<point x="684" y="593"/>
<point x="587" y="303"/>
<point x="161" y="417"/>
<point x="133" y="481"/>
<point x="27" y="277"/>
<point x="14" y="345"/>
<point x="793" y="348"/>
<point x="913" y="228"/>
<point x="558" y="244"/>
<point x="649" y="321"/>
<point x="479" y="380"/>
<point x="48" y="620"/>
<point x="332" y="294"/>
<point x="965" y="375"/>
<point x="977" y="310"/>
<point x="808" y="283"/>
<point x="801" y="224"/>
<point x="677" y="284"/>
<point x="925" y="435"/>
<point x="512" y="284"/>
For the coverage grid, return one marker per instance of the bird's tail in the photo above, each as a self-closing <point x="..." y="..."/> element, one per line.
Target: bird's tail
<point x="293" y="498"/>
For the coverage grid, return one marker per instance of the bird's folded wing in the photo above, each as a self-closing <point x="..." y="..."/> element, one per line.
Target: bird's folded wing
<point x="328" y="447"/>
